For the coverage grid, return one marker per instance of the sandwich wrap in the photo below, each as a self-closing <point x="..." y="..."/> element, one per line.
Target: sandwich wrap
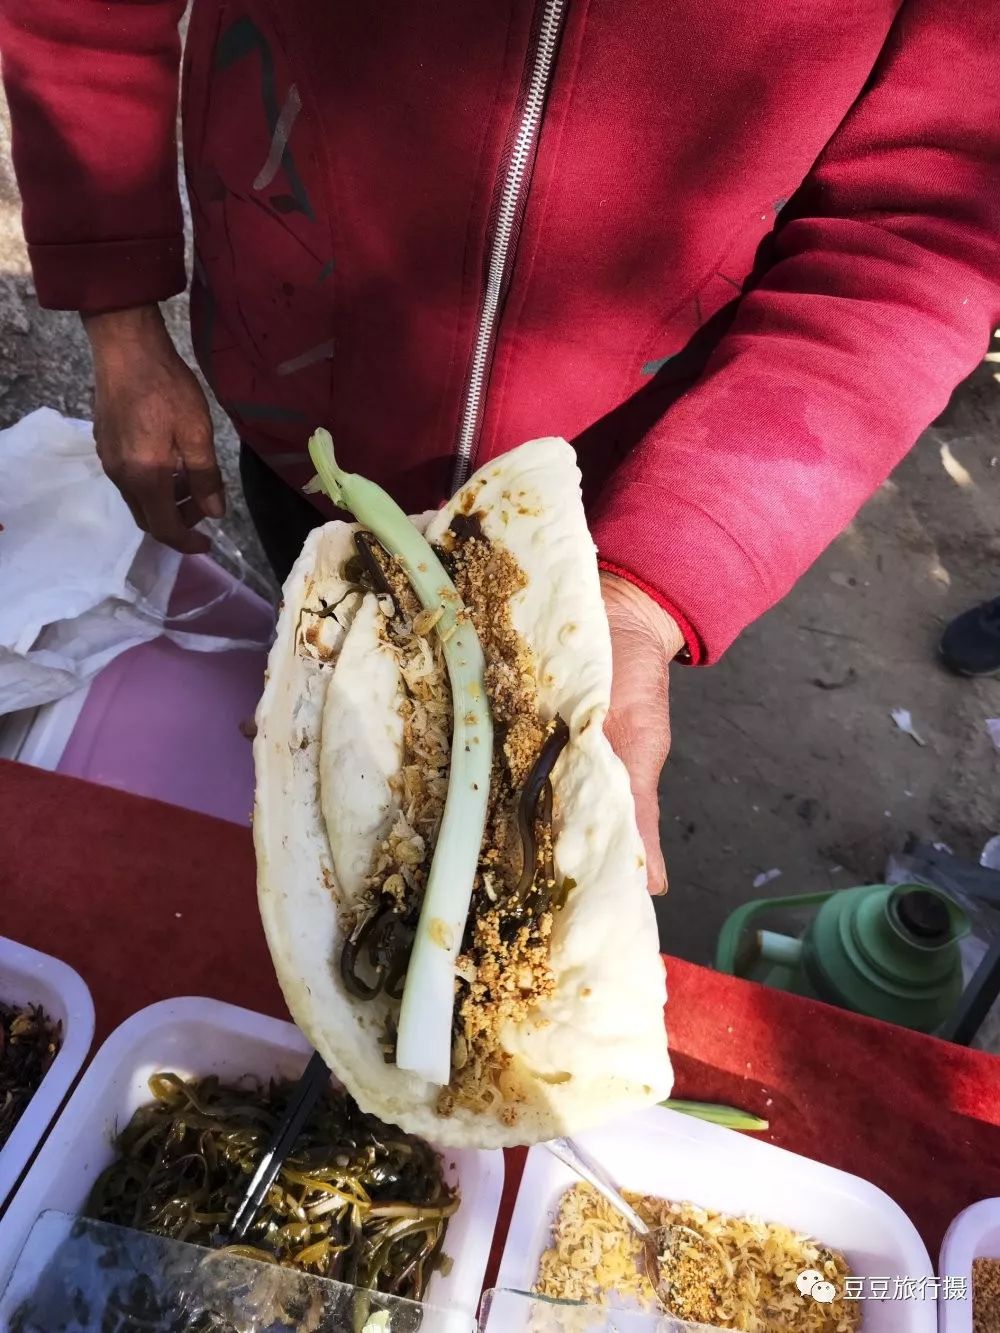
<point x="559" y="995"/>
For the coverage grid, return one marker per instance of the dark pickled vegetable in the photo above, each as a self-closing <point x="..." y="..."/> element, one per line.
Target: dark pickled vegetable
<point x="357" y="1200"/>
<point x="468" y="527"/>
<point x="362" y="570"/>
<point x="29" y="1042"/>
<point x="354" y="570"/>
<point x="381" y="941"/>
<point x="530" y="799"/>
<point x="331" y="608"/>
<point x="372" y="572"/>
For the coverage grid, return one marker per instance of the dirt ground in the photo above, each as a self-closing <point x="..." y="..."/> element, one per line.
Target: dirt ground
<point x="785" y="756"/>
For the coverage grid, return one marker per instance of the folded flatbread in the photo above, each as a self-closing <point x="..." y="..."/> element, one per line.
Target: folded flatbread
<point x="558" y="1018"/>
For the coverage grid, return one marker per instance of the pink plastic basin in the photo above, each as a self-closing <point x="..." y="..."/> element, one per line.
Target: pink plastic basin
<point x="164" y="721"/>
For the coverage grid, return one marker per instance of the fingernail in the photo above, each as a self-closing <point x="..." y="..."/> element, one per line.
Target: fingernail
<point x="214" y="505"/>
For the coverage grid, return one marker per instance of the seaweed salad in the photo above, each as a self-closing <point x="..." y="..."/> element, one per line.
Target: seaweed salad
<point x="357" y="1200"/>
<point x="29" y="1042"/>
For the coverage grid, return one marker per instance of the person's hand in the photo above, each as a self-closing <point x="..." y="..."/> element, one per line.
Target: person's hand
<point x="644" y="641"/>
<point x="153" y="428"/>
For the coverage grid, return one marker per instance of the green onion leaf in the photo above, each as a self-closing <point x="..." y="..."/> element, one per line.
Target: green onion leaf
<point x="730" y="1117"/>
<point x="423" y="1043"/>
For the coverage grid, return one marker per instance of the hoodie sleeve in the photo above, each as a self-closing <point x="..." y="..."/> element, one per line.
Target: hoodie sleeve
<point x="883" y="292"/>
<point x="92" y="88"/>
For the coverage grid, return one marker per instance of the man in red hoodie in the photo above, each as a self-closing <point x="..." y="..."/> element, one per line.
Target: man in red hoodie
<point x="739" y="253"/>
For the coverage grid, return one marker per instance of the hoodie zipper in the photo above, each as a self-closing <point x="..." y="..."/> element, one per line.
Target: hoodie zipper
<point x="509" y="210"/>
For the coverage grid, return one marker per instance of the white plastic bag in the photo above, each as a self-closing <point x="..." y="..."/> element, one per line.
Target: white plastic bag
<point x="79" y="583"/>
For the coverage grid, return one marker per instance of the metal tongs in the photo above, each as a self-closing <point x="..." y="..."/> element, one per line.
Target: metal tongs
<point x="310" y="1087"/>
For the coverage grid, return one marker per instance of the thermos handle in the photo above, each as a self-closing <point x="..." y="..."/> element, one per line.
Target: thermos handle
<point x="736" y="925"/>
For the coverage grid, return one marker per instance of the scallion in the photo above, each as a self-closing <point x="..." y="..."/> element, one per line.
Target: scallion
<point x="730" y="1117"/>
<point x="423" y="1043"/>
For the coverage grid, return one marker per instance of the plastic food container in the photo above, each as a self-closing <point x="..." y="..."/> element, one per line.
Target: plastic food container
<point x="193" y="1038"/>
<point x="28" y="977"/>
<point x="518" y="1312"/>
<point x="80" y="1275"/>
<point x="974" y="1234"/>
<point x="676" y="1157"/>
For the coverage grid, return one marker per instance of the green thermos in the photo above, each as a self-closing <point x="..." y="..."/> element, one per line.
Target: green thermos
<point x="889" y="952"/>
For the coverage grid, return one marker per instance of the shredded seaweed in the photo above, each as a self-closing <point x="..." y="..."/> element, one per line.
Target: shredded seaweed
<point x="357" y="1200"/>
<point x="29" y="1042"/>
<point x="382" y="938"/>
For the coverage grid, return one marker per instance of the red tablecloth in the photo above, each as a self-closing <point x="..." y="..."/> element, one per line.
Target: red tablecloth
<point x="148" y="901"/>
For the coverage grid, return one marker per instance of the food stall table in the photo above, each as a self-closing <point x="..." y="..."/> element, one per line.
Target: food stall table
<point x="149" y="901"/>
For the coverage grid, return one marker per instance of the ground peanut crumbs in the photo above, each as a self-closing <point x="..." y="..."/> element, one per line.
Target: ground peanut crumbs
<point x="511" y="976"/>
<point x="487" y="578"/>
<point x="986" y="1296"/>
<point x="730" y="1272"/>
<point x="506" y="968"/>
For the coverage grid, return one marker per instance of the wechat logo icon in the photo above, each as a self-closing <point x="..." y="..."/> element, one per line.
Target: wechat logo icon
<point x="812" y="1283"/>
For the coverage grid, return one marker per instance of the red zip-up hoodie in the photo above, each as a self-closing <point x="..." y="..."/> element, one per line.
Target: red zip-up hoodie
<point x="740" y="252"/>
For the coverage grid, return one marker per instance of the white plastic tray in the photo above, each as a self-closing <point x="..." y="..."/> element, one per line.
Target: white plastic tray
<point x="29" y="977"/>
<point x="676" y="1157"/>
<point x="193" y="1038"/>
<point x="974" y="1234"/>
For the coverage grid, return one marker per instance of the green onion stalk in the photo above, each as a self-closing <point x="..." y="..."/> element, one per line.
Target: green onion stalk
<point x="423" y="1044"/>
<point x="730" y="1117"/>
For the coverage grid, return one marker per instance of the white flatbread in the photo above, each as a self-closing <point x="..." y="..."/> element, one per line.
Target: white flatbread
<point x="597" y="1047"/>
<point x="362" y="748"/>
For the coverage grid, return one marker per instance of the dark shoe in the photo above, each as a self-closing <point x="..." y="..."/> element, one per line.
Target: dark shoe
<point x="971" y="643"/>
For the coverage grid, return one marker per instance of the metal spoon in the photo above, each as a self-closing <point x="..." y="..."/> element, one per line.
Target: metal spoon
<point x="654" y="1241"/>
